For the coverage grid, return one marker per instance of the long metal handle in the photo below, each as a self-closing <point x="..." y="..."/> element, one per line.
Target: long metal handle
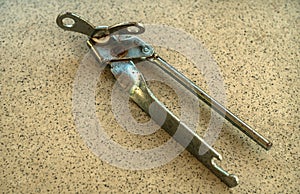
<point x="183" y="135"/>
<point x="210" y="101"/>
<point x="133" y="82"/>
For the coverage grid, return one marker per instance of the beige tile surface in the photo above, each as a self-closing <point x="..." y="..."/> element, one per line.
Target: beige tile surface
<point x="256" y="44"/>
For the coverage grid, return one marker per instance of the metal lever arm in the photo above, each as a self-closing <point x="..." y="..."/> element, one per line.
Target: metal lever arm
<point x="133" y="82"/>
<point x="215" y="105"/>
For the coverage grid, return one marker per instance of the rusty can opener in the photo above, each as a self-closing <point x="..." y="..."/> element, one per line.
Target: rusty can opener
<point x="118" y="47"/>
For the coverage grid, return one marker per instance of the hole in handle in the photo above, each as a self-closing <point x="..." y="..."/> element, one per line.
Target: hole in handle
<point x="68" y="22"/>
<point x="133" y="29"/>
<point x="72" y="22"/>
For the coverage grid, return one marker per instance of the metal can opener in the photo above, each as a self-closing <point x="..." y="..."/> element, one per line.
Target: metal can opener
<point x="118" y="47"/>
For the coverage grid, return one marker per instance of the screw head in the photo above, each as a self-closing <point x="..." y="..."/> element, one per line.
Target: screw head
<point x="146" y="49"/>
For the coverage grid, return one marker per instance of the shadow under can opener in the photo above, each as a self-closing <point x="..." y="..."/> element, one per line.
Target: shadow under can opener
<point x="117" y="46"/>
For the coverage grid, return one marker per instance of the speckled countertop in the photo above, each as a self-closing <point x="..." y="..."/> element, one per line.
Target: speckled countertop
<point x="256" y="44"/>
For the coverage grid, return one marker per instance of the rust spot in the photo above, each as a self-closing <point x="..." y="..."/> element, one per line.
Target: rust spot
<point x="119" y="51"/>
